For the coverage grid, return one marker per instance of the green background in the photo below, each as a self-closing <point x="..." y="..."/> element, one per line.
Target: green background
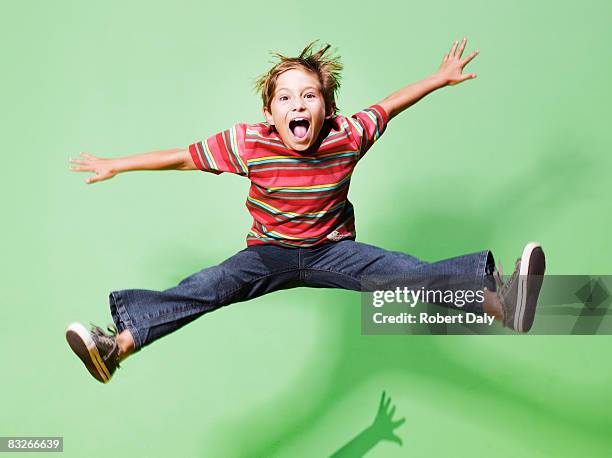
<point x="520" y="153"/>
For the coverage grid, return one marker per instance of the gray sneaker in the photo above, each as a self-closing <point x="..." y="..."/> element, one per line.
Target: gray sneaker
<point x="98" y="351"/>
<point x="519" y="295"/>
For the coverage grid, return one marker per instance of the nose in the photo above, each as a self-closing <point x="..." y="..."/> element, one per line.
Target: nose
<point x="298" y="104"/>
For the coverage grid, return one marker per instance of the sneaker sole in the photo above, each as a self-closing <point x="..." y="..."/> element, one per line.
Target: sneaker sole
<point x="531" y="276"/>
<point x="81" y="342"/>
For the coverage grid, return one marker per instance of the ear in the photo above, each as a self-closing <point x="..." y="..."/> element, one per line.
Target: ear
<point x="268" y="116"/>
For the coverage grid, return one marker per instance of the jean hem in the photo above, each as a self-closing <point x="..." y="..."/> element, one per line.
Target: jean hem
<point x="481" y="274"/>
<point x="122" y="318"/>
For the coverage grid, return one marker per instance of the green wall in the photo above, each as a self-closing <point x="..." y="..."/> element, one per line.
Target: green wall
<point x="520" y="153"/>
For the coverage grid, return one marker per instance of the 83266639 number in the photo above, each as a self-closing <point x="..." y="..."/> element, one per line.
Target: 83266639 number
<point x="23" y="444"/>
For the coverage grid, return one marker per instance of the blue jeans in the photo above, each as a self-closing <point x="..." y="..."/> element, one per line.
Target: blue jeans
<point x="262" y="269"/>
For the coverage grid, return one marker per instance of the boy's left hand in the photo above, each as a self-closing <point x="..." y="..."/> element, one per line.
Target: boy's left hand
<point x="452" y="65"/>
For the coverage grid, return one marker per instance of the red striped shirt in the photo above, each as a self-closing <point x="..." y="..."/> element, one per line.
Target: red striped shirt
<point x="297" y="199"/>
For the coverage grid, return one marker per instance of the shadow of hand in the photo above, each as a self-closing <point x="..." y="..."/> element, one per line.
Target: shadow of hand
<point x="383" y="425"/>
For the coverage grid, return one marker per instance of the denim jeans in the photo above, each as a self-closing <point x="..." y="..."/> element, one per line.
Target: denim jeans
<point x="261" y="269"/>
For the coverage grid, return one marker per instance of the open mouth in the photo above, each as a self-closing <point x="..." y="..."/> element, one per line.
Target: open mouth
<point x="299" y="127"/>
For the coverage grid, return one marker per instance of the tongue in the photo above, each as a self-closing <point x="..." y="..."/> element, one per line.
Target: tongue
<point x="300" y="131"/>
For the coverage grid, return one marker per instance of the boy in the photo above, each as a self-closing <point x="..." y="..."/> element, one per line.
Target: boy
<point x="299" y="163"/>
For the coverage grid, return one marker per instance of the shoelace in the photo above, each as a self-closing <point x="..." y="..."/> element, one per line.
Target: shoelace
<point x="110" y="340"/>
<point x="498" y="275"/>
<point x="502" y="287"/>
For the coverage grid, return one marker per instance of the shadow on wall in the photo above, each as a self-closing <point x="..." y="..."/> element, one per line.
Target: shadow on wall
<point x="382" y="429"/>
<point x="563" y="175"/>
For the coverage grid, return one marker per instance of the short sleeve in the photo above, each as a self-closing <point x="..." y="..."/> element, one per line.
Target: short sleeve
<point x="223" y="152"/>
<point x="368" y="125"/>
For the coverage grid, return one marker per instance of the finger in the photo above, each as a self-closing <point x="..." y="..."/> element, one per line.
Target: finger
<point x="387" y="403"/>
<point x="78" y="161"/>
<point x="89" y="156"/>
<point x="461" y="48"/>
<point x="396" y="439"/>
<point x="445" y="58"/>
<point x="465" y="61"/>
<point x="452" y="51"/>
<point x="391" y="412"/>
<point x="467" y="76"/>
<point x="80" y="168"/>
<point x="462" y="78"/>
<point x="382" y="401"/>
<point x="95" y="179"/>
<point x="397" y="423"/>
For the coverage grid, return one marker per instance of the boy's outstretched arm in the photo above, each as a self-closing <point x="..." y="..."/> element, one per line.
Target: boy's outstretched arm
<point x="448" y="74"/>
<point x="105" y="169"/>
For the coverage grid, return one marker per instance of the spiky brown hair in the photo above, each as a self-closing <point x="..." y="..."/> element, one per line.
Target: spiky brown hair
<point x="327" y="68"/>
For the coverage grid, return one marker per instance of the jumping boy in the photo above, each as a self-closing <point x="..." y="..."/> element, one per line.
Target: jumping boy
<point x="299" y="162"/>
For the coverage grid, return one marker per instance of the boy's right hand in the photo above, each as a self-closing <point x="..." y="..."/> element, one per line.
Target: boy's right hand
<point x="103" y="168"/>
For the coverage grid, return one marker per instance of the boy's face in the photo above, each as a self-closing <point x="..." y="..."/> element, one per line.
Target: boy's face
<point x="297" y="109"/>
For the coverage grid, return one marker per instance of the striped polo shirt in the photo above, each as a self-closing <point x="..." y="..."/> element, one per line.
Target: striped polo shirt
<point x="296" y="198"/>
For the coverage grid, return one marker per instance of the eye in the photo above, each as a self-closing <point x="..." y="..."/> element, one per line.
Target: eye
<point x="282" y="98"/>
<point x="310" y="95"/>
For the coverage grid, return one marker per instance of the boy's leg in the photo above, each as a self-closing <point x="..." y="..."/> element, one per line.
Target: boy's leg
<point x="358" y="266"/>
<point x="149" y="315"/>
<point x="142" y="316"/>
<point x="126" y="344"/>
<point x="362" y="267"/>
